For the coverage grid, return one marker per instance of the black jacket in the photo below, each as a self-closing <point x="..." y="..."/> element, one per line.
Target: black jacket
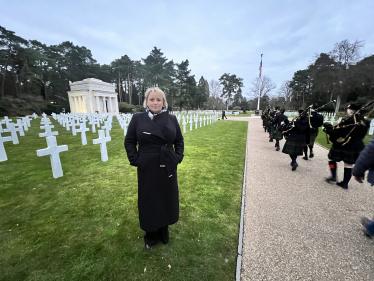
<point x="160" y="149"/>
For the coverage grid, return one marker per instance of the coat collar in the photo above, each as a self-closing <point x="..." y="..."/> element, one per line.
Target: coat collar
<point x="152" y="128"/>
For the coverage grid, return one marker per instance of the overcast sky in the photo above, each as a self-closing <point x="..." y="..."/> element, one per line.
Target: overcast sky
<point x="215" y="36"/>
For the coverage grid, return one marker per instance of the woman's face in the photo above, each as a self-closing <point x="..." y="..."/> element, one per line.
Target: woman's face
<point x="155" y="101"/>
<point x="350" y="112"/>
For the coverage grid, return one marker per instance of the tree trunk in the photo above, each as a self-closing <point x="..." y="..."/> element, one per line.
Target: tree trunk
<point x="3" y="82"/>
<point x="45" y="92"/>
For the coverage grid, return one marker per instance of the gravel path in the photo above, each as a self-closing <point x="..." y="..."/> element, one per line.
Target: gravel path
<point x="296" y="226"/>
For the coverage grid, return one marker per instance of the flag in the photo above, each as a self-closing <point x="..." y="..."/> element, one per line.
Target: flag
<point x="260" y="66"/>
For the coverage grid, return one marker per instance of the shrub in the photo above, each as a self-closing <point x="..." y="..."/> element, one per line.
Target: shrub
<point x="26" y="105"/>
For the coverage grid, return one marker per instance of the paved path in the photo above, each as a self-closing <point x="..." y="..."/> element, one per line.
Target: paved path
<point x="296" y="226"/>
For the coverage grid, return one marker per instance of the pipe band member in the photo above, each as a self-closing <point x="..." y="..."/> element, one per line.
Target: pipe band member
<point x="277" y="135"/>
<point x="315" y="121"/>
<point x="154" y="144"/>
<point x="347" y="138"/>
<point x="271" y="128"/>
<point x="296" y="138"/>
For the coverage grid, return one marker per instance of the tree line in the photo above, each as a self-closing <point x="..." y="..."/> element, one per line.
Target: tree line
<point x="29" y="67"/>
<point x="342" y="74"/>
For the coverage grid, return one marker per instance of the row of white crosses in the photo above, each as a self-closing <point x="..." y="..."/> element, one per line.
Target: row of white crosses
<point x="22" y="125"/>
<point x="53" y="150"/>
<point x="190" y="119"/>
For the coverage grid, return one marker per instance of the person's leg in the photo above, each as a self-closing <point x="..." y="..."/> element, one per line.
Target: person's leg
<point x="151" y="238"/>
<point x="347" y="176"/>
<point x="277" y="145"/>
<point x="294" y="163"/>
<point x="305" y="149"/>
<point x="332" y="165"/>
<point x="163" y="234"/>
<point x="311" y="154"/>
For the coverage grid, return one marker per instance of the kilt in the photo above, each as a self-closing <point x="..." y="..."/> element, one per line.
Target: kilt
<point x="348" y="156"/>
<point x="278" y="135"/>
<point x="264" y="122"/>
<point x="271" y="128"/>
<point x="313" y="137"/>
<point x="293" y="147"/>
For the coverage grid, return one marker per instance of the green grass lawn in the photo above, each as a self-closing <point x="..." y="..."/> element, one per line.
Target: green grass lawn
<point x="84" y="225"/>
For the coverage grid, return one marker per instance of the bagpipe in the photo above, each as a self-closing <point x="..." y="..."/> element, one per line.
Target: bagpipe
<point x="341" y="133"/>
<point x="287" y="125"/>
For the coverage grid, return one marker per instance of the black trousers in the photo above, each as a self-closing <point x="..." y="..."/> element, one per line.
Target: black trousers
<point x="152" y="238"/>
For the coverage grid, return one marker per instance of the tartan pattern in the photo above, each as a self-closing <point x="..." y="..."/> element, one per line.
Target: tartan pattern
<point x="271" y="128"/>
<point x="293" y="147"/>
<point x="340" y="154"/>
<point x="313" y="137"/>
<point x="278" y="135"/>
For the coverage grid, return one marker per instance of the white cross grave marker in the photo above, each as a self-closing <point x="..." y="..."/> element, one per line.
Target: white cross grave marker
<point x="184" y="125"/>
<point x="13" y="131"/>
<point x="204" y="120"/>
<point x="83" y="129"/>
<point x="48" y="131"/>
<point x="102" y="140"/>
<point x="200" y="121"/>
<point x="3" y="156"/>
<point x="107" y="127"/>
<point x="191" y="123"/>
<point x="54" y="152"/>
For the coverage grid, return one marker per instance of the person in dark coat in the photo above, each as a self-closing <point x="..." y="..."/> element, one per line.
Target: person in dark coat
<point x="154" y="144"/>
<point x="271" y="129"/>
<point x="365" y="162"/>
<point x="277" y="134"/>
<point x="350" y="148"/>
<point x="223" y="115"/>
<point x="315" y="121"/>
<point x="297" y="135"/>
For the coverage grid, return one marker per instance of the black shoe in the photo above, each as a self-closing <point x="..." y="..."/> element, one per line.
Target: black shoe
<point x="305" y="157"/>
<point x="331" y="180"/>
<point x="342" y="185"/>
<point x="277" y="149"/>
<point x="365" y="221"/>
<point x="311" y="155"/>
<point x="294" y="166"/>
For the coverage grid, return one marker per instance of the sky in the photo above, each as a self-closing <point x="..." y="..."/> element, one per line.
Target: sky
<point x="216" y="37"/>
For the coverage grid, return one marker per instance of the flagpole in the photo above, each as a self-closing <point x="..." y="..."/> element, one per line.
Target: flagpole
<point x="259" y="88"/>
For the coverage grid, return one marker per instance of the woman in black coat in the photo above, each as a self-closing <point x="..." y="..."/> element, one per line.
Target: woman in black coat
<point x="154" y="144"/>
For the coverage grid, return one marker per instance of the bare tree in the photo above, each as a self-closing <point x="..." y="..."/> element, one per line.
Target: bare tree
<point x="347" y="53"/>
<point x="285" y="91"/>
<point x="261" y="86"/>
<point x="215" y="92"/>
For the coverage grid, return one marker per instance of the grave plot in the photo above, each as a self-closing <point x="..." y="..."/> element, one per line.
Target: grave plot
<point x="88" y="219"/>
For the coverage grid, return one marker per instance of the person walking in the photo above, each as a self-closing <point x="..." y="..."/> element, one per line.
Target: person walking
<point x="297" y="136"/>
<point x="223" y="115"/>
<point x="277" y="134"/>
<point x="160" y="149"/>
<point x="365" y="162"/>
<point x="352" y="131"/>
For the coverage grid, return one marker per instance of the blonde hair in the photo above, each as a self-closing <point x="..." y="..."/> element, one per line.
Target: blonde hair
<point x="157" y="90"/>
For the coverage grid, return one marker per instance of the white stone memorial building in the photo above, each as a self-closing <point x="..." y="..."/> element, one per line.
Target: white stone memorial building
<point x="92" y="96"/>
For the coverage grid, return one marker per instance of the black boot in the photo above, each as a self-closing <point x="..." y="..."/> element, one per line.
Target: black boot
<point x="305" y="149"/>
<point x="311" y="154"/>
<point x="347" y="177"/>
<point x="151" y="239"/>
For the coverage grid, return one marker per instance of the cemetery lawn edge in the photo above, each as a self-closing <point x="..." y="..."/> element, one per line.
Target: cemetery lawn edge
<point x="84" y="225"/>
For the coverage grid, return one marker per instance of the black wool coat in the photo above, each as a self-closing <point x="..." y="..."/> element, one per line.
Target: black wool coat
<point x="156" y="147"/>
